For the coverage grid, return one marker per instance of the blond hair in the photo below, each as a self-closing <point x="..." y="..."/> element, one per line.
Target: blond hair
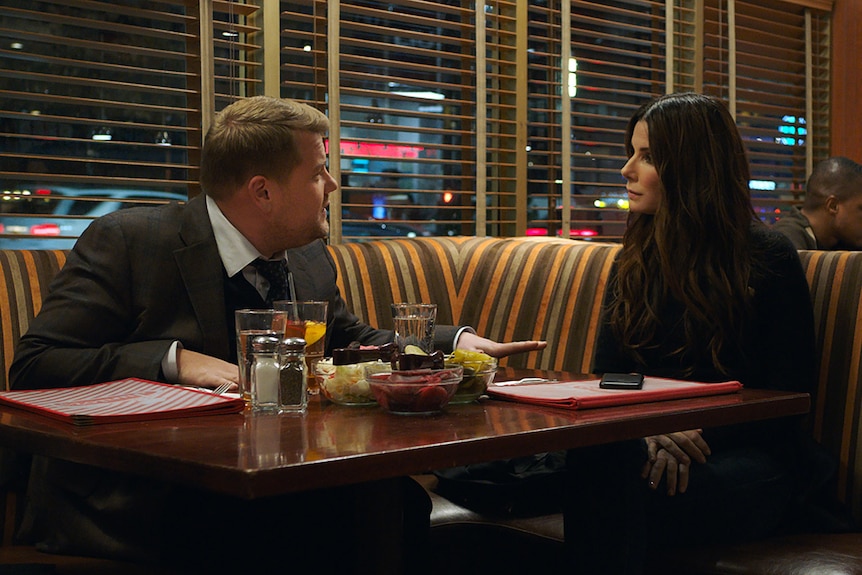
<point x="255" y="136"/>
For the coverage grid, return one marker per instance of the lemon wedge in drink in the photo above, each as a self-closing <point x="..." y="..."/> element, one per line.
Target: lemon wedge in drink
<point x="314" y="330"/>
<point x="414" y="350"/>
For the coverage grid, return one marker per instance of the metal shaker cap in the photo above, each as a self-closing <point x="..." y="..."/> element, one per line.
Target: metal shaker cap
<point x="264" y="344"/>
<point x="291" y="345"/>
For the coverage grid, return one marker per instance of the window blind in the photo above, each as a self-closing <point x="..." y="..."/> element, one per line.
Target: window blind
<point x="102" y="108"/>
<point x="770" y="60"/>
<point x="502" y="118"/>
<point x="407" y="100"/>
<point x="618" y="63"/>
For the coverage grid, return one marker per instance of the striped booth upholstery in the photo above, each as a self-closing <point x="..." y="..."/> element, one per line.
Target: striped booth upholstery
<point x="835" y="279"/>
<point x="506" y="288"/>
<point x="24" y="279"/>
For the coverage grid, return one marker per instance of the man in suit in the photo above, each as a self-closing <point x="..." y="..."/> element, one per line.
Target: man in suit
<point x="151" y="293"/>
<point x="831" y="216"/>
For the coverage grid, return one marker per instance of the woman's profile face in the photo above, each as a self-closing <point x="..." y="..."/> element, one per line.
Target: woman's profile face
<point x="642" y="181"/>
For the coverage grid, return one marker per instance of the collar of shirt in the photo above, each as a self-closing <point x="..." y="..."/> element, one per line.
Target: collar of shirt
<point x="810" y="231"/>
<point x="235" y="250"/>
<point x="237" y="253"/>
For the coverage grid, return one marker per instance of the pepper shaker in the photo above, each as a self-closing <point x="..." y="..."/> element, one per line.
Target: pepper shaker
<point x="292" y="386"/>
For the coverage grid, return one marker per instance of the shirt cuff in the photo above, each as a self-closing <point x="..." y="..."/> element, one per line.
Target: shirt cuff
<point x="169" y="363"/>
<point x="466" y="328"/>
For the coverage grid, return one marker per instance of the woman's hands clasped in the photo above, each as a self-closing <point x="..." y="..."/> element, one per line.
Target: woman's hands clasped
<point x="672" y="455"/>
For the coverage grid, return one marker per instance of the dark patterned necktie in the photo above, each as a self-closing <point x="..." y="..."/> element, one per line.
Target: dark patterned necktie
<point x="275" y="273"/>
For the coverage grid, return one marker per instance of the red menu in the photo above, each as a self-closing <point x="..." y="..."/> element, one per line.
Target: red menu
<point x="587" y="393"/>
<point x="124" y="400"/>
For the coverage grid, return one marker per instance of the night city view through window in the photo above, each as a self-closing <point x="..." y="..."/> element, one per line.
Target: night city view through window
<point x="103" y="108"/>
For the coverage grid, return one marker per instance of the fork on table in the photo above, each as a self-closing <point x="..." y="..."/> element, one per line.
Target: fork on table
<point x="222" y="388"/>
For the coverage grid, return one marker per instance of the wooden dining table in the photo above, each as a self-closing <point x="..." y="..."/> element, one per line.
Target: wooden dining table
<point x="253" y="455"/>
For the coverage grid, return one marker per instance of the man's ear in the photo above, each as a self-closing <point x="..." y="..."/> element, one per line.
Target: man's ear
<point x="257" y="189"/>
<point x="831" y="204"/>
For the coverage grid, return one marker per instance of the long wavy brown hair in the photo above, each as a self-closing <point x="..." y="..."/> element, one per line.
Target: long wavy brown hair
<point x="693" y="254"/>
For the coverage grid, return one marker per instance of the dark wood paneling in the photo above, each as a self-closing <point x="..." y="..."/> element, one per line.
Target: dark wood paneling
<point x="846" y="79"/>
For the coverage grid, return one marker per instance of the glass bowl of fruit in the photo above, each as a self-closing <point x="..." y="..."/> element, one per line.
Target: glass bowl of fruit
<point x="413" y="391"/>
<point x="479" y="371"/>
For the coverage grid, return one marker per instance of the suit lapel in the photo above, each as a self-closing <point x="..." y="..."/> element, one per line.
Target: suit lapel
<point x="305" y="263"/>
<point x="203" y="275"/>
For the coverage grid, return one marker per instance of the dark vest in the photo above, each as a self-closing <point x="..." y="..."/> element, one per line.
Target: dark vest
<point x="238" y="294"/>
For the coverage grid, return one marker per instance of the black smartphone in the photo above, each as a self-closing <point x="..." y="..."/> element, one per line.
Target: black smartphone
<point x="622" y="381"/>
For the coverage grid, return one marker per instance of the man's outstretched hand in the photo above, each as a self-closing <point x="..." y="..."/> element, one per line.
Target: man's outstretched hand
<point x="473" y="342"/>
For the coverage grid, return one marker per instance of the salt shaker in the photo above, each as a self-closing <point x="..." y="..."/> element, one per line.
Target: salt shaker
<point x="264" y="373"/>
<point x="292" y="391"/>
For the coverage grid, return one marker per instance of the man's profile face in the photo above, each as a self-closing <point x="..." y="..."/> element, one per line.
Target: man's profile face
<point x="300" y="200"/>
<point x="848" y="223"/>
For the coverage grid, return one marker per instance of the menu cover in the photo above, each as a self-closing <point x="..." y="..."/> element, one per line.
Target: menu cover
<point x="123" y="400"/>
<point x="587" y="393"/>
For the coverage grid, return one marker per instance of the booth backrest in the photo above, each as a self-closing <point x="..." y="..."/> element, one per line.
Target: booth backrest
<point x="531" y="288"/>
<point x="24" y="279"/>
<point x="506" y="288"/>
<point x="835" y="280"/>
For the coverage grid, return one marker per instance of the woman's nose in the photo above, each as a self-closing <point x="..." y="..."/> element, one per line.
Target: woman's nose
<point x="626" y="170"/>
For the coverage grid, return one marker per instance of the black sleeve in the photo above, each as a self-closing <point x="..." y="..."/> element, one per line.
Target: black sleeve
<point x="782" y="348"/>
<point x="609" y="355"/>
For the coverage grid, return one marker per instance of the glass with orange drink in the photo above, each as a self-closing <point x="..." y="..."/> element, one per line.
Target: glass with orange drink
<point x="307" y="319"/>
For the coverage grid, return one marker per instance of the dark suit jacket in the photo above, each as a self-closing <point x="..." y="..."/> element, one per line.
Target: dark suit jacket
<point x="136" y="281"/>
<point x="141" y="278"/>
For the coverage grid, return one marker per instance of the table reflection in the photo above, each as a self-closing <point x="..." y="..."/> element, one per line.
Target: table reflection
<point x="271" y="440"/>
<point x="253" y="455"/>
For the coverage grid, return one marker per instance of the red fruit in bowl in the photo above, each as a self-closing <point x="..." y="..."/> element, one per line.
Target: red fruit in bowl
<point x="382" y="399"/>
<point x="431" y="397"/>
<point x="413" y="391"/>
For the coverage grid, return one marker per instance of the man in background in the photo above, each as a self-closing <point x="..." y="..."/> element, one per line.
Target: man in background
<point x="831" y="216"/>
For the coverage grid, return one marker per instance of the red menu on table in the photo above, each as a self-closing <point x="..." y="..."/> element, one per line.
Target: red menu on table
<point x="123" y="400"/>
<point x="587" y="393"/>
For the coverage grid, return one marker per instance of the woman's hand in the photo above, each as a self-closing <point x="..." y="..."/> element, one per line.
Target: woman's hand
<point x="671" y="455"/>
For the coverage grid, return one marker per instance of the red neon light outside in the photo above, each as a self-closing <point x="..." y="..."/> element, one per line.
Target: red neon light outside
<point x="45" y="230"/>
<point x="349" y="148"/>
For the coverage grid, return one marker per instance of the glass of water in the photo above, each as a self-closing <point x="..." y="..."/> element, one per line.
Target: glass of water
<point x="251" y="323"/>
<point x="414" y="325"/>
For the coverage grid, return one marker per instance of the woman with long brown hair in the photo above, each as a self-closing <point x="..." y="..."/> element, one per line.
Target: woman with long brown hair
<point x="702" y="291"/>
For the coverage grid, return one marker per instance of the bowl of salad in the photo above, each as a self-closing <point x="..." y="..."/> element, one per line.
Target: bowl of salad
<point x="345" y="384"/>
<point x="342" y="377"/>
